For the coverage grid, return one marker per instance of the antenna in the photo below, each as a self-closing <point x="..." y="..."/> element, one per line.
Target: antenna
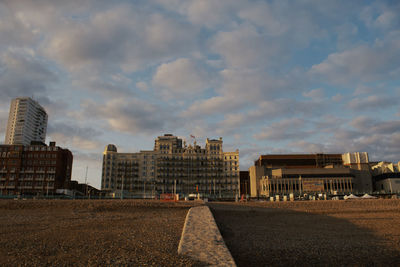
<point x="86" y="180"/>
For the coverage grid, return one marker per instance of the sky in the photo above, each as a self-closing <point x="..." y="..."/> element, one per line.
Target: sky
<point x="269" y="77"/>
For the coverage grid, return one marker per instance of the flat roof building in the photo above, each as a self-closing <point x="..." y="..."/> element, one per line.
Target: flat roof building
<point x="34" y="169"/>
<point x="299" y="173"/>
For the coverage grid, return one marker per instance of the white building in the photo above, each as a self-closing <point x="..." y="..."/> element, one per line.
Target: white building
<point x="27" y="121"/>
<point x="387" y="177"/>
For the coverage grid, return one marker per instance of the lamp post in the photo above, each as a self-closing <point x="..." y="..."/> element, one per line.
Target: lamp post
<point x="122" y="188"/>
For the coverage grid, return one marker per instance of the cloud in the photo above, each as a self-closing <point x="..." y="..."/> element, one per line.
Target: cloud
<point x="121" y="37"/>
<point x="207" y="13"/>
<point x="242" y="88"/>
<point x="142" y="86"/>
<point x="362" y="63"/>
<point x="308" y="147"/>
<point x="129" y="115"/>
<point x="373" y="102"/>
<point x="372" y="126"/>
<point x="381" y="15"/>
<point x="293" y="128"/>
<point x="13" y="29"/>
<point x="315" y="94"/>
<point x="68" y="134"/>
<point x="24" y="74"/>
<point x="181" y="78"/>
<point x="245" y="47"/>
<point x="3" y="123"/>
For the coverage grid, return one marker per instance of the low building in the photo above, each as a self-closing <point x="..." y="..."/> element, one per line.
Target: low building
<point x="386" y="177"/>
<point x="172" y="167"/>
<point x="301" y="173"/>
<point x="307" y="181"/>
<point x="34" y="169"/>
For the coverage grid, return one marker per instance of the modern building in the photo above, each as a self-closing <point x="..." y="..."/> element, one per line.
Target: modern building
<point x="304" y="181"/>
<point x="172" y="167"/>
<point x="310" y="173"/>
<point x="386" y="177"/>
<point x="34" y="169"/>
<point x="27" y="122"/>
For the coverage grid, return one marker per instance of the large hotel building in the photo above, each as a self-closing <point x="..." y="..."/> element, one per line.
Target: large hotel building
<point x="172" y="167"/>
<point x="27" y="122"/>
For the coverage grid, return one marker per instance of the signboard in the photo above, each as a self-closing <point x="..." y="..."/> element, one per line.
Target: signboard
<point x="167" y="197"/>
<point x="313" y="185"/>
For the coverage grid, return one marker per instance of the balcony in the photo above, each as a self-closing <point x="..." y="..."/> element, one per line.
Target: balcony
<point x="25" y="187"/>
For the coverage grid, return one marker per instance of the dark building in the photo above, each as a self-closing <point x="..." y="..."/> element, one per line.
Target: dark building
<point x="81" y="189"/>
<point x="244" y="183"/>
<point x="299" y="161"/>
<point x="34" y="169"/>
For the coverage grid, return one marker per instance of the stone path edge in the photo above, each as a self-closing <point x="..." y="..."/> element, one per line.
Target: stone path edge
<point x="201" y="239"/>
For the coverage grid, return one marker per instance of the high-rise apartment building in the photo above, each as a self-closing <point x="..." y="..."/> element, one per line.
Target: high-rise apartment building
<point x="173" y="167"/>
<point x="27" y="122"/>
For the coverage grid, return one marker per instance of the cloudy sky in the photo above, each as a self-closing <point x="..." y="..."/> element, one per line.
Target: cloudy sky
<point x="267" y="76"/>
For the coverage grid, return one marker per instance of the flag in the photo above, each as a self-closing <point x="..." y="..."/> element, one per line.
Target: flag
<point x="192" y="136"/>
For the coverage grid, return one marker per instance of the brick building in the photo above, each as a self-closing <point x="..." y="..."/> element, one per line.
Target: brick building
<point x="34" y="169"/>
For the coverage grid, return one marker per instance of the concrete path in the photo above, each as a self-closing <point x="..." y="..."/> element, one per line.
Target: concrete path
<point x="201" y="239"/>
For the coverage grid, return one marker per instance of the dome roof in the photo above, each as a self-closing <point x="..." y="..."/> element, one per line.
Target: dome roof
<point x="110" y="148"/>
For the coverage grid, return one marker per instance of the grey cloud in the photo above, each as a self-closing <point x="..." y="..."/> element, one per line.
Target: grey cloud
<point x="129" y="115"/>
<point x="316" y="94"/>
<point x="3" y="122"/>
<point x="108" y="85"/>
<point x="377" y="137"/>
<point x="13" y="29"/>
<point x="182" y="78"/>
<point x="283" y="130"/>
<point x="267" y="111"/>
<point x="372" y="126"/>
<point x="373" y="102"/>
<point x="83" y="156"/>
<point x="121" y="37"/>
<point x="206" y="13"/>
<point x="71" y="129"/>
<point x="73" y="136"/>
<point x="241" y="88"/>
<point x="362" y="63"/>
<point x="309" y="147"/>
<point x="245" y="47"/>
<point x="22" y="74"/>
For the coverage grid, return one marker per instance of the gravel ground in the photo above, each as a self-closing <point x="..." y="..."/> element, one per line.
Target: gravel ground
<point x="314" y="233"/>
<point x="91" y="232"/>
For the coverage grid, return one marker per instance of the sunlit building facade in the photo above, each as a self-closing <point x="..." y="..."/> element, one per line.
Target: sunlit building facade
<point x="301" y="174"/>
<point x="173" y="167"/>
